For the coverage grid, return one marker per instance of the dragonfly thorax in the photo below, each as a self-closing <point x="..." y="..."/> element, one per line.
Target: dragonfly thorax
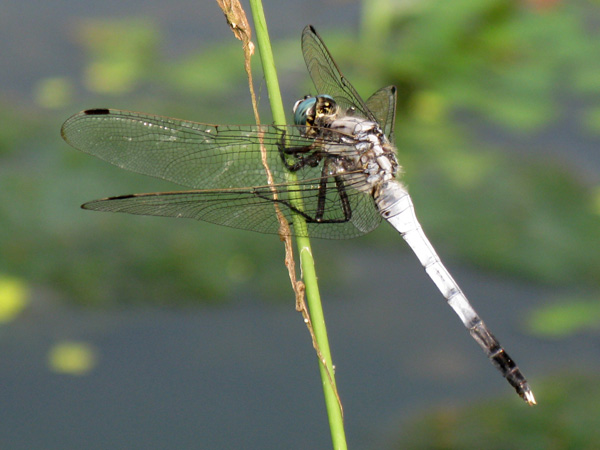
<point x="356" y="147"/>
<point x="369" y="159"/>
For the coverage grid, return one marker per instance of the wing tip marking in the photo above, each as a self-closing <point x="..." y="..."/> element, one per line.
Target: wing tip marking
<point x="96" y="112"/>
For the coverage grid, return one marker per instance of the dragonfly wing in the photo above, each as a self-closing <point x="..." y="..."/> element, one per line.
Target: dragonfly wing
<point x="327" y="76"/>
<point x="254" y="208"/>
<point x="383" y="106"/>
<point x="192" y="154"/>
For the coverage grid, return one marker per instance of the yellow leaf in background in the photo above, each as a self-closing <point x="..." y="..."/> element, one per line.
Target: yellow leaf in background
<point x="14" y="295"/>
<point x="73" y="358"/>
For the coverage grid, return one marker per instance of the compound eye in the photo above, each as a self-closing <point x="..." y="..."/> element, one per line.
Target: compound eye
<point x="303" y="109"/>
<point x="297" y="104"/>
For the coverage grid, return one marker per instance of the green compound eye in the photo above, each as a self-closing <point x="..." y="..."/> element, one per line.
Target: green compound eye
<point x="303" y="108"/>
<point x="306" y="107"/>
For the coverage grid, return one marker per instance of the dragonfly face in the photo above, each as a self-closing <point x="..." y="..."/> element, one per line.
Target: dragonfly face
<point x="312" y="109"/>
<point x="341" y="150"/>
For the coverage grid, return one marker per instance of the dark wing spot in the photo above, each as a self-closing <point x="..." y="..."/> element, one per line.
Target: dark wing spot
<point x="96" y="112"/>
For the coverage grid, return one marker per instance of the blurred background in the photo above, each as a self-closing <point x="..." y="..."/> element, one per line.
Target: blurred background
<point x="120" y="331"/>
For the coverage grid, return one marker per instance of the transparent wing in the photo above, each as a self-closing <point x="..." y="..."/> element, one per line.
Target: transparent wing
<point x="192" y="154"/>
<point x="326" y="74"/>
<point x="253" y="208"/>
<point x="383" y="106"/>
<point x="222" y="161"/>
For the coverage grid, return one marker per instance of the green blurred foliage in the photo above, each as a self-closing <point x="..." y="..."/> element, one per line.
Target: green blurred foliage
<point x="511" y="64"/>
<point x="16" y="124"/>
<point x="508" y="63"/>
<point x="53" y="92"/>
<point x="566" y="418"/>
<point x="122" y="53"/>
<point x="191" y="75"/>
<point x="565" y="318"/>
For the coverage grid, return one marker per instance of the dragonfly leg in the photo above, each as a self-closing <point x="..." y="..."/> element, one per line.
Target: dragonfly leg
<point x="321" y="209"/>
<point x="302" y="156"/>
<point x="311" y="156"/>
<point x="322" y="195"/>
<point x="345" y="201"/>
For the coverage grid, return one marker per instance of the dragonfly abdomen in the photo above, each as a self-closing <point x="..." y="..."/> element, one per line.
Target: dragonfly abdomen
<point x="396" y="207"/>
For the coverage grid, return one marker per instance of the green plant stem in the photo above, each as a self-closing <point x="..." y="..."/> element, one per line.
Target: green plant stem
<point x="334" y="412"/>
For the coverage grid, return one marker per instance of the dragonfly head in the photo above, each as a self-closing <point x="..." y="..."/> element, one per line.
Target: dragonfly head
<point x="307" y="109"/>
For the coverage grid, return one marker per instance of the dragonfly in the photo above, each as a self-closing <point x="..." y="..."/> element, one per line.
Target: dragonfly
<point x="340" y="149"/>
